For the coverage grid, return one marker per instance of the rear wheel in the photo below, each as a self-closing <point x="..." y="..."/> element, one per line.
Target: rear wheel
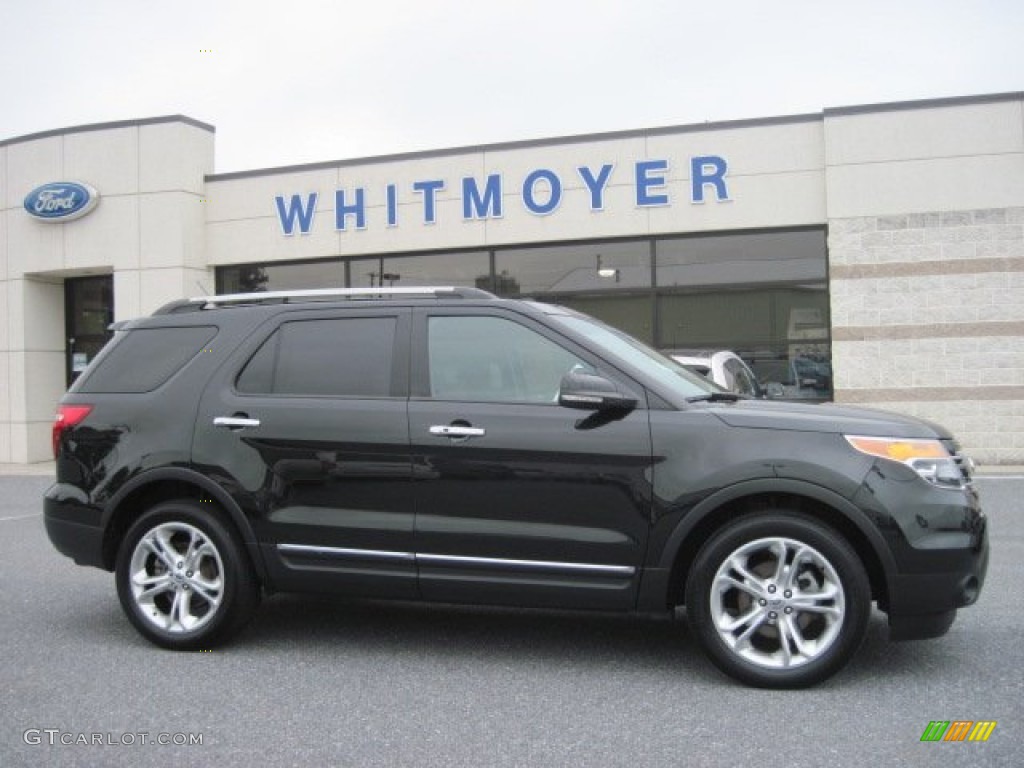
<point x="778" y="600"/>
<point x="183" y="577"/>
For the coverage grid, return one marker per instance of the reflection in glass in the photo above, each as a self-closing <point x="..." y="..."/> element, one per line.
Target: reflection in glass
<point x="257" y="278"/>
<point x="578" y="268"/>
<point x="470" y="269"/>
<point x="742" y="259"/>
<point x="761" y="295"/>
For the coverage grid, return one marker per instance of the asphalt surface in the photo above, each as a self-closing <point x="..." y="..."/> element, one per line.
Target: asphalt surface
<point x="329" y="683"/>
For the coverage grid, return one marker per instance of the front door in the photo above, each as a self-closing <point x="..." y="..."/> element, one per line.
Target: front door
<point x="519" y="500"/>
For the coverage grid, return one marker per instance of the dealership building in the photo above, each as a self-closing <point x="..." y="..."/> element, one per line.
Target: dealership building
<point x="871" y="255"/>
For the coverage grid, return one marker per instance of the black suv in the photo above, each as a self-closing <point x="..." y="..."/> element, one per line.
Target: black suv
<point x="443" y="444"/>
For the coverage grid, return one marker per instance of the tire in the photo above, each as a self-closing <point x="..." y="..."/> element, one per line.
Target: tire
<point x="183" y="577"/>
<point x="772" y="627"/>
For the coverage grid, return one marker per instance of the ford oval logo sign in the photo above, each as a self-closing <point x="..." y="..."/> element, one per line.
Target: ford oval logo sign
<point x="61" y="201"/>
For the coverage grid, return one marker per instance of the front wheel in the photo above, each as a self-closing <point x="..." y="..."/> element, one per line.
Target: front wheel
<point x="183" y="578"/>
<point x="778" y="600"/>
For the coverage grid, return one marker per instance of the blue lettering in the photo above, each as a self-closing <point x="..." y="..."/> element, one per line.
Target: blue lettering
<point x="647" y="177"/>
<point x="596" y="185"/>
<point x="554" y="187"/>
<point x="477" y="206"/>
<point x="392" y="194"/>
<point x="709" y="169"/>
<point x="429" y="190"/>
<point x="295" y="212"/>
<point x="342" y="210"/>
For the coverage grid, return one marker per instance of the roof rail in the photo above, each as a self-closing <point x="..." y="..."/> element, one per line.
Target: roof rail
<point x="448" y="291"/>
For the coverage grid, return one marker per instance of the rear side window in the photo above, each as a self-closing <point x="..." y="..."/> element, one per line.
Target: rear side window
<point x="338" y="357"/>
<point x="144" y="359"/>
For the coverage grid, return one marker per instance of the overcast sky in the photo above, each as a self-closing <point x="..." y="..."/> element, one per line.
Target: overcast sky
<point x="310" y="80"/>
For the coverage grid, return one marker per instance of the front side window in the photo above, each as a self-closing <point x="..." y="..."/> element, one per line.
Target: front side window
<point x="491" y="359"/>
<point x="662" y="369"/>
<point x="338" y="357"/>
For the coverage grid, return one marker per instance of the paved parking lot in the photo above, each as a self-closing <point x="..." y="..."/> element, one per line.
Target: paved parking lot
<point x="318" y="682"/>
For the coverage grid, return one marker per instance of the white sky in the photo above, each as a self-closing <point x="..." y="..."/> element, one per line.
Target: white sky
<point x="312" y="80"/>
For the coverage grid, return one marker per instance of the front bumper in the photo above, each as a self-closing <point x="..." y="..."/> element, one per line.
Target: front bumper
<point x="940" y="546"/>
<point x="925" y="605"/>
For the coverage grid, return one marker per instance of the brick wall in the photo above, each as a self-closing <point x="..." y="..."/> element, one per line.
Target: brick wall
<point x="928" y="319"/>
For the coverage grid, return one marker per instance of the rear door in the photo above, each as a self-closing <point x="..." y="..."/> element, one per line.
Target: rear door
<point x="519" y="500"/>
<point x="307" y="425"/>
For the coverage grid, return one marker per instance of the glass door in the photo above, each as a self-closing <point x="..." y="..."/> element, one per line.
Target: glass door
<point x="88" y="311"/>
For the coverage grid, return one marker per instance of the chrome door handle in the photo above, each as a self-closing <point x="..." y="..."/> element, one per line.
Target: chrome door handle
<point x="235" y="422"/>
<point x="450" y="431"/>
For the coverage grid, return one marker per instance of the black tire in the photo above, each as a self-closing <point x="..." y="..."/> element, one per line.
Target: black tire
<point x="198" y="590"/>
<point x="778" y="628"/>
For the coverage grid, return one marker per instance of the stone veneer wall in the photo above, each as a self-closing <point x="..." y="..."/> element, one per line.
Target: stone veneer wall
<point x="928" y="320"/>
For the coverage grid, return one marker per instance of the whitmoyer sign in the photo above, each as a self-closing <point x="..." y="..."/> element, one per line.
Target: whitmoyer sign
<point x="540" y="192"/>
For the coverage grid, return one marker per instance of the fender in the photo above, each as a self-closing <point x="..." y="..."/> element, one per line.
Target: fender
<point x="656" y="577"/>
<point x="217" y="493"/>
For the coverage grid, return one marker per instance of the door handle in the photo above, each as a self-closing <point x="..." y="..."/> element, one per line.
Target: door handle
<point x="235" y="422"/>
<point x="441" y="430"/>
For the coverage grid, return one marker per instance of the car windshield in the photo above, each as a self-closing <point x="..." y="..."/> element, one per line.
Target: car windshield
<point x="651" y="362"/>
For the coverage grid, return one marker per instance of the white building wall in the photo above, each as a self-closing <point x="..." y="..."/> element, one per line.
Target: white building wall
<point x="147" y="231"/>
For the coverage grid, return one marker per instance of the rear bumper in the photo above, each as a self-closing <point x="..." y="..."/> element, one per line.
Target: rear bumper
<point x="73" y="527"/>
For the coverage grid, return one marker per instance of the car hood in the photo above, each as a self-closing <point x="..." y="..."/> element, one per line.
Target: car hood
<point x="825" y="417"/>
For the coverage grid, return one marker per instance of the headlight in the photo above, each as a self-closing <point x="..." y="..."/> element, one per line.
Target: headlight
<point x="929" y="458"/>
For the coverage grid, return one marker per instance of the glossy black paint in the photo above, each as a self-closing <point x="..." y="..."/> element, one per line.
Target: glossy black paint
<point x="537" y="486"/>
<point x="549" y="506"/>
<point x="330" y="473"/>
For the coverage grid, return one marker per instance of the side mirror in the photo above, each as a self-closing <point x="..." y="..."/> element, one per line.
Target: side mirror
<point x="773" y="390"/>
<point x="590" y="392"/>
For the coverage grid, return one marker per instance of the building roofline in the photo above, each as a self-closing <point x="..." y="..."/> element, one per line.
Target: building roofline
<point x="901" y="106"/>
<point x="109" y="126"/>
<point x="722" y="125"/>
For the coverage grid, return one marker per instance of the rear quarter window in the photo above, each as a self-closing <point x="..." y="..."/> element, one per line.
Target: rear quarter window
<point x="143" y="359"/>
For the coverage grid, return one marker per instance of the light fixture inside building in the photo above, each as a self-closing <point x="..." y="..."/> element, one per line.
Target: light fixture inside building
<point x="606" y="271"/>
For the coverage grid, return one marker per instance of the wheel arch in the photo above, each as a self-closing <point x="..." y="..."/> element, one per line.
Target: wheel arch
<point x="743" y="499"/>
<point x="165" y="484"/>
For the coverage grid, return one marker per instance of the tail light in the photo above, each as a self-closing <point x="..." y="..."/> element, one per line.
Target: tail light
<point x="67" y="416"/>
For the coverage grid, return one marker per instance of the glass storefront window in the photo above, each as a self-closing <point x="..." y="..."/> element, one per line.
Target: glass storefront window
<point x="254" y="278"/>
<point x="578" y="268"/>
<point x="610" y="281"/>
<point x="763" y="295"/>
<point x="470" y="269"/>
<point x="741" y="259"/>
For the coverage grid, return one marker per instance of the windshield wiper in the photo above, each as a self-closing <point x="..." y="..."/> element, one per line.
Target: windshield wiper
<point x="715" y="397"/>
